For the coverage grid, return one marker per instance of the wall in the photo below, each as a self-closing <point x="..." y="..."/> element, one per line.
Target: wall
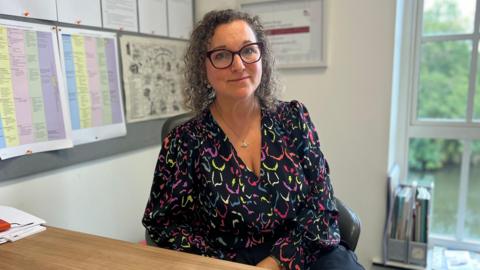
<point x="104" y="197"/>
<point x="349" y="102"/>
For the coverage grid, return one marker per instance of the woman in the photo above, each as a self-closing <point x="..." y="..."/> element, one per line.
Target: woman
<point x="244" y="180"/>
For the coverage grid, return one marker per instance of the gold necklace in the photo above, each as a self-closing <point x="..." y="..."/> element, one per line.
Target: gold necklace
<point x="244" y="143"/>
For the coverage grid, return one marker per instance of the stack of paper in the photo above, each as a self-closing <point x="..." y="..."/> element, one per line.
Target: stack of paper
<point x="22" y="224"/>
<point x="459" y="260"/>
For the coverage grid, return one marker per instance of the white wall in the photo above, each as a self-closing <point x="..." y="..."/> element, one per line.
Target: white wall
<point x="104" y="197"/>
<point x="349" y="102"/>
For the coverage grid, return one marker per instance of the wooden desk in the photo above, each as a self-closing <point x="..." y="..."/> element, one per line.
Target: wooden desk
<point x="62" y="249"/>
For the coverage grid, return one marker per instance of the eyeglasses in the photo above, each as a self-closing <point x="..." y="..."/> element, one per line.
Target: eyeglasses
<point x="223" y="58"/>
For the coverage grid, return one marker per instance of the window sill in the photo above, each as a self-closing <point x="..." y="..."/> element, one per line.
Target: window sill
<point x="436" y="260"/>
<point x="396" y="265"/>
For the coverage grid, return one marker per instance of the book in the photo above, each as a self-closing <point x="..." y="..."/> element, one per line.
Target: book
<point x="401" y="213"/>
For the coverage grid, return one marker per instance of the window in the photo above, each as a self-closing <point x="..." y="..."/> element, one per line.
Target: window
<point x="438" y="108"/>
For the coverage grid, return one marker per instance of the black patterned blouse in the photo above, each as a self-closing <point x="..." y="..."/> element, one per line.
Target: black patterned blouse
<point x="204" y="199"/>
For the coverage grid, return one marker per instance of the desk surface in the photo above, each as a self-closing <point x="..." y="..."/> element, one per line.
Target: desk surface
<point x="62" y="249"/>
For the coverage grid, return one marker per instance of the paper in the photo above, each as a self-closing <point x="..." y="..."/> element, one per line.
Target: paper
<point x="85" y="12"/>
<point x="22" y="234"/>
<point x="33" y="110"/>
<point x="153" y="77"/>
<point x="458" y="260"/>
<point x="153" y="17"/>
<point x="44" y="9"/>
<point x="23" y="224"/>
<point x="180" y="18"/>
<point x="120" y="14"/>
<point x="89" y="59"/>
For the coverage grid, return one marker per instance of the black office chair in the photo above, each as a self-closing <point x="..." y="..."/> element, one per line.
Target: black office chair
<point x="348" y="220"/>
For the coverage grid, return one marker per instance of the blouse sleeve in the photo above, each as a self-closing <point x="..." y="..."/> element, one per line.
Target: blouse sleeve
<point x="316" y="225"/>
<point x="171" y="204"/>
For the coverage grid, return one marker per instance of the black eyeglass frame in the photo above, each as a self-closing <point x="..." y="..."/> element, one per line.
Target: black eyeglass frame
<point x="259" y="44"/>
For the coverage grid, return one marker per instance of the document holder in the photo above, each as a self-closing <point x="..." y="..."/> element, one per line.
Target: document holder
<point x="407" y="224"/>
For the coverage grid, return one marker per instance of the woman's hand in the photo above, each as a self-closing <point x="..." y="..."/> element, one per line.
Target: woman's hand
<point x="269" y="263"/>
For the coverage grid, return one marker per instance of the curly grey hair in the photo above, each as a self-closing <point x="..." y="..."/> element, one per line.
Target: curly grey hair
<point x="197" y="94"/>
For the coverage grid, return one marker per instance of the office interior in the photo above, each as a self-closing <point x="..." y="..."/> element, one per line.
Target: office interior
<point x="349" y="102"/>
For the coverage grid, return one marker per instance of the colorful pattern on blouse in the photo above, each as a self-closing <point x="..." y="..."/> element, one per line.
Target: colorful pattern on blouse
<point x="205" y="200"/>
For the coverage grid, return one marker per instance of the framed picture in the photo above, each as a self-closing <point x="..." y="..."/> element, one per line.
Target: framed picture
<point x="295" y="30"/>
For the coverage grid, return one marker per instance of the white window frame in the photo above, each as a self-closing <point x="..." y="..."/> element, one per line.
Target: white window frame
<point x="408" y="41"/>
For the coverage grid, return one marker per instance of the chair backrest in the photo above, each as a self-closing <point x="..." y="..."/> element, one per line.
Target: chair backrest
<point x="349" y="222"/>
<point x="172" y="122"/>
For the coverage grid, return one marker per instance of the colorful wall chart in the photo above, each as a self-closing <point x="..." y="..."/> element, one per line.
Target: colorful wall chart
<point x="90" y="63"/>
<point x="33" y="111"/>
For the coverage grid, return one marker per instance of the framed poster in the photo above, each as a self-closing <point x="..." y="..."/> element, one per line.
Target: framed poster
<point x="295" y="30"/>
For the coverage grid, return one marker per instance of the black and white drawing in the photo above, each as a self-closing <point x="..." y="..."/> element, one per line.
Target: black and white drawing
<point x="153" y="77"/>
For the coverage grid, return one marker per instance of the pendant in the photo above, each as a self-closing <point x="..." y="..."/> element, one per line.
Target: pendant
<point x="244" y="144"/>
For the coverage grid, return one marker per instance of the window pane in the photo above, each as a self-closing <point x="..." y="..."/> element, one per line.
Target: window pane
<point x="438" y="161"/>
<point x="476" y="100"/>
<point x="472" y="216"/>
<point x="448" y="16"/>
<point x="443" y="84"/>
